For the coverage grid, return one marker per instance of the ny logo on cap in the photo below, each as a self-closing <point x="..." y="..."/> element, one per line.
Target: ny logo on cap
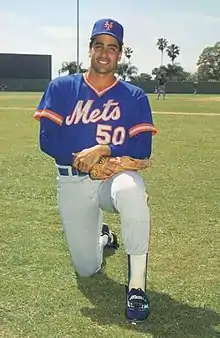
<point x="109" y="25"/>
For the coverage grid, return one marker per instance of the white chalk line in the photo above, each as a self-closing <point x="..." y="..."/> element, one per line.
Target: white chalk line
<point x="31" y="109"/>
<point x="184" y="113"/>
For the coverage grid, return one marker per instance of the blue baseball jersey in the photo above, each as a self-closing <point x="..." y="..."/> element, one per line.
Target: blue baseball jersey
<point x="74" y="116"/>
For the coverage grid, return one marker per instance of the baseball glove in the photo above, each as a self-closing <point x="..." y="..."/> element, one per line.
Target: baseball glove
<point x="109" y="166"/>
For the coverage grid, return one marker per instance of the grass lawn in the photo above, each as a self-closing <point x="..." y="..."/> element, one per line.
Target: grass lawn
<point x="40" y="295"/>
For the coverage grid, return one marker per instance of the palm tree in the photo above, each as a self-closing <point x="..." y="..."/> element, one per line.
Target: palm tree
<point x="125" y="71"/>
<point x="128" y="51"/>
<point x="173" y="51"/>
<point x="70" y="67"/>
<point x="158" y="71"/>
<point x="132" y="72"/>
<point x="162" y="45"/>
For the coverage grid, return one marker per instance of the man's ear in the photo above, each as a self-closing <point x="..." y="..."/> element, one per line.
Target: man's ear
<point x="119" y="56"/>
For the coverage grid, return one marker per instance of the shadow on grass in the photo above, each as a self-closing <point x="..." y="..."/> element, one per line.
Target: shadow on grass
<point x="169" y="318"/>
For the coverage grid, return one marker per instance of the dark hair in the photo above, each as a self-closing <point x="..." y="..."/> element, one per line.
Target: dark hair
<point x="92" y="40"/>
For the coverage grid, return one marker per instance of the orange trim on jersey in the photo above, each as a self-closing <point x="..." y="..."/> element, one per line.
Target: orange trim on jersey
<point x="95" y="90"/>
<point x="142" y="127"/>
<point x="50" y="115"/>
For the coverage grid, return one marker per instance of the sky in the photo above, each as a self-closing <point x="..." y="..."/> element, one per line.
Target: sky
<point x="44" y="27"/>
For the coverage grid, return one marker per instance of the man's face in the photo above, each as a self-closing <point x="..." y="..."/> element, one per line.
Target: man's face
<point x="104" y="54"/>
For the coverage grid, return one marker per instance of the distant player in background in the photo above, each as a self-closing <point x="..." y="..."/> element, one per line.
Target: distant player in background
<point x="82" y="118"/>
<point x="195" y="88"/>
<point x="162" y="81"/>
<point x="3" y="87"/>
<point x="155" y="90"/>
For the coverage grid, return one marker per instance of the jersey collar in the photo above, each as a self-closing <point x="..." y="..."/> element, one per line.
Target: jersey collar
<point x="102" y="92"/>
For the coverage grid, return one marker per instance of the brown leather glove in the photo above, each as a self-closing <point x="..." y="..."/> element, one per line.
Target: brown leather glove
<point x="109" y="166"/>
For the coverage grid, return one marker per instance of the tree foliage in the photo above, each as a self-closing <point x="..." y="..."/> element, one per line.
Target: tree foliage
<point x="128" y="51"/>
<point x="172" y="72"/>
<point x="209" y="63"/>
<point x="71" y="67"/>
<point x="173" y="51"/>
<point x="162" y="44"/>
<point x="143" y="77"/>
<point x="126" y="71"/>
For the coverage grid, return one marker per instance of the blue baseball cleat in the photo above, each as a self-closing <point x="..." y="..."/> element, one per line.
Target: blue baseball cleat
<point x="112" y="238"/>
<point x="137" y="306"/>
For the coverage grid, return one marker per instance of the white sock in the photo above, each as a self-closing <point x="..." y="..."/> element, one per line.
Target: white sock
<point x="103" y="240"/>
<point x="138" y="267"/>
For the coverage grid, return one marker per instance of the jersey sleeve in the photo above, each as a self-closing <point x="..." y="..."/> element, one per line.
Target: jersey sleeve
<point x="51" y="105"/>
<point x="142" y="120"/>
<point x="50" y="113"/>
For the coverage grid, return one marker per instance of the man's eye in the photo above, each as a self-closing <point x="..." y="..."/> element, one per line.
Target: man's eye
<point x="112" y="49"/>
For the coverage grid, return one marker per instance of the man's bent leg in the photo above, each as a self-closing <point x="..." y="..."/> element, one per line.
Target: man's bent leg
<point x="131" y="201"/>
<point x="82" y="222"/>
<point x="125" y="193"/>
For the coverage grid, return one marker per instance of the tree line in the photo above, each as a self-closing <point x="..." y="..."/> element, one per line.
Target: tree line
<point x="208" y="65"/>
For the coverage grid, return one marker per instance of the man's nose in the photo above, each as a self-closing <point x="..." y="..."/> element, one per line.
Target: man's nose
<point x="104" y="51"/>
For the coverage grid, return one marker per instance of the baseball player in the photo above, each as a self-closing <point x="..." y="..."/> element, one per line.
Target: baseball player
<point x="86" y="117"/>
<point x="162" y="81"/>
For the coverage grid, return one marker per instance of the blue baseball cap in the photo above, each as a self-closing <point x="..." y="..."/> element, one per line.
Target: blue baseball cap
<point x="109" y="27"/>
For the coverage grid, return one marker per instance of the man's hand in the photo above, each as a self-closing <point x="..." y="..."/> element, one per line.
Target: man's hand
<point x="86" y="158"/>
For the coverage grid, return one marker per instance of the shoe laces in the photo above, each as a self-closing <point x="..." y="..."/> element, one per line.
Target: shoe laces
<point x="137" y="298"/>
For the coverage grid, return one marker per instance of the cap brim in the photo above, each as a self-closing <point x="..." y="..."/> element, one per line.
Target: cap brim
<point x="108" y="33"/>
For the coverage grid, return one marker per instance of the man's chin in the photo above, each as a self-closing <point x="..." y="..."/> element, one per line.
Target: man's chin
<point x="104" y="70"/>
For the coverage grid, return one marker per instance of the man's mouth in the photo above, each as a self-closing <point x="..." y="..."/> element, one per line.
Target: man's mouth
<point x="103" y="62"/>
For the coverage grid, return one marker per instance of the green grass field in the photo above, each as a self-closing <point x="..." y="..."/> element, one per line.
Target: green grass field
<point x="40" y="295"/>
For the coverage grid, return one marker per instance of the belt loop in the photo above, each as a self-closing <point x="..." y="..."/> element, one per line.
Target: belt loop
<point x="76" y="171"/>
